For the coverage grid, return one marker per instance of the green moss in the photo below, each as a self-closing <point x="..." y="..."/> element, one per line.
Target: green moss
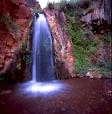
<point x="82" y="61"/>
<point x="58" y="5"/>
<point x="27" y="52"/>
<point x="11" y="25"/>
<point x="27" y="58"/>
<point x="83" y="48"/>
<point x="105" y="71"/>
<point x="107" y="38"/>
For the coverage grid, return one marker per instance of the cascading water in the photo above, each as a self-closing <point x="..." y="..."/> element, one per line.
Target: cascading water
<point x="43" y="68"/>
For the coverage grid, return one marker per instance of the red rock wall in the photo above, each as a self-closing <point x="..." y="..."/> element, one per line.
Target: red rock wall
<point x="64" y="57"/>
<point x="17" y="14"/>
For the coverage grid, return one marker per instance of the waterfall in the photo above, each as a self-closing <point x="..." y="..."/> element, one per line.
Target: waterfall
<point x="43" y="68"/>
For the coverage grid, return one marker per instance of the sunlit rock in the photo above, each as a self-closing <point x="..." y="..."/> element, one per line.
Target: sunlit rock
<point x="63" y="47"/>
<point x="93" y="73"/>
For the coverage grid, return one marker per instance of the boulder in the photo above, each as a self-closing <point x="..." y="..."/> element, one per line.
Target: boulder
<point x="94" y="73"/>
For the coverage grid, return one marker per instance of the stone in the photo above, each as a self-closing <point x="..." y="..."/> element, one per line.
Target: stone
<point x="19" y="14"/>
<point x="63" y="47"/>
<point x="6" y="92"/>
<point x="93" y="73"/>
<point x="99" y="16"/>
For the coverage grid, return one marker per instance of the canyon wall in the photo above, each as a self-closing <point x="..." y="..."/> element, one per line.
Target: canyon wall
<point x="63" y="46"/>
<point x="15" y="21"/>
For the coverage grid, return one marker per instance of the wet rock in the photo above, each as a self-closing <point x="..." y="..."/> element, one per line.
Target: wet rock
<point x="63" y="46"/>
<point x="109" y="93"/>
<point x="63" y="110"/>
<point x="6" y="92"/>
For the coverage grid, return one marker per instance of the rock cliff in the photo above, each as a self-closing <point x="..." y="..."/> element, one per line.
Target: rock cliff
<point x="15" y="21"/>
<point x="98" y="15"/>
<point x="63" y="47"/>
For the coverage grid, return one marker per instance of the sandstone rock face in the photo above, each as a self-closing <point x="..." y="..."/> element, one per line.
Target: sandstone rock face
<point x="97" y="11"/>
<point x="15" y="19"/>
<point x="98" y="15"/>
<point x="64" y="57"/>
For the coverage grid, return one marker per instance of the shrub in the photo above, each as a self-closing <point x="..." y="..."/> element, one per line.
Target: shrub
<point x="11" y="25"/>
<point x="57" y="5"/>
<point x="50" y="5"/>
<point x="107" y="38"/>
<point x="83" y="48"/>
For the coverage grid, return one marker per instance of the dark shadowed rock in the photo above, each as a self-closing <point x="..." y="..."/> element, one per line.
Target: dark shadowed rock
<point x="107" y="10"/>
<point x="31" y="2"/>
<point x="98" y="15"/>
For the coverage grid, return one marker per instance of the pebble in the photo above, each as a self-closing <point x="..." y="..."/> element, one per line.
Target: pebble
<point x="63" y="109"/>
<point x="6" y="92"/>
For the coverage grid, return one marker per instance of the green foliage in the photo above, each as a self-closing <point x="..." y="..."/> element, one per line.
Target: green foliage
<point x="2" y="78"/>
<point x="57" y="5"/>
<point x="83" y="48"/>
<point x="27" y="58"/>
<point x="69" y="13"/>
<point x="82" y="63"/>
<point x="107" y="38"/>
<point x="12" y="26"/>
<point x="105" y="71"/>
<point x="50" y="5"/>
<point x="25" y="46"/>
<point x="35" y="10"/>
<point x="62" y="3"/>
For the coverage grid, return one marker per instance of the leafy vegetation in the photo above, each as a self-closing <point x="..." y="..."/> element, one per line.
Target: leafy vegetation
<point x="85" y="47"/>
<point x="107" y="38"/>
<point x="58" y="5"/>
<point x="12" y="26"/>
